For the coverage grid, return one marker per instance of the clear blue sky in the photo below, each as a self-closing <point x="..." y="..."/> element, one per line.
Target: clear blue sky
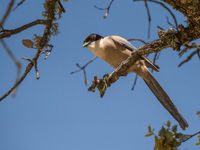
<point x="58" y="113"/>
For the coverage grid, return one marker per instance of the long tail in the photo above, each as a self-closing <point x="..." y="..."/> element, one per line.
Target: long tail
<point x="164" y="99"/>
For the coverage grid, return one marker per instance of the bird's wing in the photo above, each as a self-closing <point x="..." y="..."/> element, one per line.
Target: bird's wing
<point x="126" y="44"/>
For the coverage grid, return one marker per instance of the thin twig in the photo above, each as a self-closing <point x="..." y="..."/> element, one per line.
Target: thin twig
<point x="8" y="33"/>
<point x="169" y="22"/>
<point x="35" y="65"/>
<point x="61" y="6"/>
<point x="149" y="18"/>
<point x="156" y="57"/>
<point x="107" y="8"/>
<point x="7" y="12"/>
<point x="36" y="70"/>
<point x="28" y="59"/>
<point x="20" y="3"/>
<point x="187" y="47"/>
<point x="159" y="27"/>
<point x="14" y="59"/>
<point x="190" y="136"/>
<point x="134" y="83"/>
<point x="189" y="57"/>
<point x="164" y="6"/>
<point x="12" y="56"/>
<point x="136" y="39"/>
<point x="83" y="68"/>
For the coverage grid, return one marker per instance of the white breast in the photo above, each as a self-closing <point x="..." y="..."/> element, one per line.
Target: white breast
<point x="96" y="48"/>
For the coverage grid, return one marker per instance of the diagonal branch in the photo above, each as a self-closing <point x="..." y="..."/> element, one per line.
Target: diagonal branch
<point x="20" y="3"/>
<point x="7" y="12"/>
<point x="167" y="39"/>
<point x="164" y="6"/>
<point x="189" y="57"/>
<point x="14" y="59"/>
<point x="8" y="33"/>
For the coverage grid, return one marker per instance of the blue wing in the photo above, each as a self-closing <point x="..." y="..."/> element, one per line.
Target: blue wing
<point x="128" y="46"/>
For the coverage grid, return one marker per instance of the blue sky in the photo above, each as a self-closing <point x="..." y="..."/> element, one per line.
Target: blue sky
<point x="58" y="113"/>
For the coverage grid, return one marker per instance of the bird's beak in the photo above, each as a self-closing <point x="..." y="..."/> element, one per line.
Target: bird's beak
<point x="85" y="44"/>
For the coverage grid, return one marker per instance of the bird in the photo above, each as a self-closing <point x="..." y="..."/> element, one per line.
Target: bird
<point x="114" y="50"/>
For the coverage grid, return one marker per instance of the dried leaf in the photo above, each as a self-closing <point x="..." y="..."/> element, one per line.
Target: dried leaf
<point x="27" y="43"/>
<point x="149" y="134"/>
<point x="198" y="143"/>
<point x="168" y="124"/>
<point x="198" y="113"/>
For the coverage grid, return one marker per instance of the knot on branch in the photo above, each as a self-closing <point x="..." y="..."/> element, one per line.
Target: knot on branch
<point x="171" y="38"/>
<point x="101" y="84"/>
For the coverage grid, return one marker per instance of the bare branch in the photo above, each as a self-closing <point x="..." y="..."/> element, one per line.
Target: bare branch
<point x="28" y="59"/>
<point x="136" y="39"/>
<point x="107" y="9"/>
<point x="61" y="6"/>
<point x="7" y="12"/>
<point x="8" y="33"/>
<point x="20" y="3"/>
<point x="189" y="57"/>
<point x="14" y="59"/>
<point x="159" y="27"/>
<point x="83" y="68"/>
<point x="36" y="70"/>
<point x="164" y="6"/>
<point x="169" y="22"/>
<point x="134" y="83"/>
<point x="149" y="18"/>
<point x="12" y="56"/>
<point x="187" y="47"/>
<point x="190" y="136"/>
<point x="156" y="57"/>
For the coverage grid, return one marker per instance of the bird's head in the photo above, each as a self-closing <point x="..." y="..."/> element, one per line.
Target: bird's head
<point x="91" y="38"/>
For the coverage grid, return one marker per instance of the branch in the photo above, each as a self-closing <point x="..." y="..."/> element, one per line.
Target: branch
<point x="83" y="68"/>
<point x="12" y="56"/>
<point x="7" y="12"/>
<point x="42" y="43"/>
<point x="170" y="38"/>
<point x="164" y="6"/>
<point x="61" y="6"/>
<point x="189" y="57"/>
<point x="14" y="59"/>
<point x="107" y="9"/>
<point x="8" y="33"/>
<point x="134" y="83"/>
<point x="136" y="39"/>
<point x="149" y="18"/>
<point x="189" y="46"/>
<point x="20" y="3"/>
